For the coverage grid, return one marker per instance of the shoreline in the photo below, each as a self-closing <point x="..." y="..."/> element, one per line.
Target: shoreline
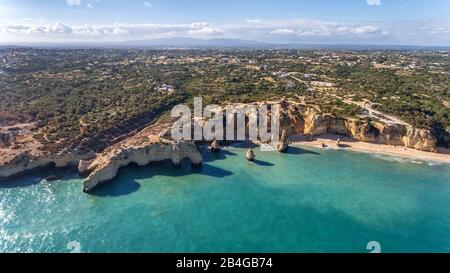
<point x="366" y="147"/>
<point x="330" y="141"/>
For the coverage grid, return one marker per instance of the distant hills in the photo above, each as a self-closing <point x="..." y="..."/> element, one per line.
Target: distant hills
<point x="217" y="43"/>
<point x="193" y="42"/>
<point x="157" y="43"/>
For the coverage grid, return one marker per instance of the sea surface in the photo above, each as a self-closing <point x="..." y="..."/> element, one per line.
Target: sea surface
<point x="308" y="200"/>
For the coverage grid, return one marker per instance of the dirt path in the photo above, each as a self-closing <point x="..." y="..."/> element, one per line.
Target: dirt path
<point x="365" y="105"/>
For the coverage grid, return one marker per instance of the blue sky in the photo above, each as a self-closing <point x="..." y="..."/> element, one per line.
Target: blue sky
<point x="420" y="22"/>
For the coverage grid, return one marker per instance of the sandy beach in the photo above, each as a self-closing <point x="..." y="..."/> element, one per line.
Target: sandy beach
<point x="350" y="144"/>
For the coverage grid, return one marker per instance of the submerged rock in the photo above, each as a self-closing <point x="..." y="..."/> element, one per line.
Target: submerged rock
<point x="53" y="178"/>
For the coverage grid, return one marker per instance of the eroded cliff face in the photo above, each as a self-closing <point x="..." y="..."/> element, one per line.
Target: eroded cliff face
<point x="308" y="121"/>
<point x="141" y="149"/>
<point x="149" y="145"/>
<point x="154" y="144"/>
<point x="27" y="161"/>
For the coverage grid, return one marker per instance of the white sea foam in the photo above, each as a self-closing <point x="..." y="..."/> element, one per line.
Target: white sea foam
<point x="388" y="157"/>
<point x="416" y="162"/>
<point x="268" y="147"/>
<point x="400" y="159"/>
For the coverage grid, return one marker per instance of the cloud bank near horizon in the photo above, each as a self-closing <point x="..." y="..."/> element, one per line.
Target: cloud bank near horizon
<point x="408" y="22"/>
<point x="284" y="31"/>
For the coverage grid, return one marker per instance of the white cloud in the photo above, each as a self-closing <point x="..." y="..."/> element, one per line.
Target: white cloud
<point x="54" y="28"/>
<point x="440" y="30"/>
<point x="199" y="25"/>
<point x="292" y="30"/>
<point x="253" y="21"/>
<point x="73" y="2"/>
<point x="119" y="30"/>
<point x="300" y="27"/>
<point x="374" y="2"/>
<point x="435" y="28"/>
<point x="147" y="5"/>
<point x="207" y="31"/>
<point x="314" y="32"/>
<point x="306" y="27"/>
<point x="89" y="6"/>
<point x="365" y="29"/>
<point x="283" y="31"/>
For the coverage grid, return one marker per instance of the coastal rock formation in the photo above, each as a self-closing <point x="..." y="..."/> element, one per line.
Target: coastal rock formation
<point x="419" y="139"/>
<point x="153" y="143"/>
<point x="283" y="145"/>
<point x="250" y="155"/>
<point x="215" y="146"/>
<point x="83" y="167"/>
<point x="149" y="145"/>
<point x="141" y="149"/>
<point x="291" y="118"/>
<point x="27" y="161"/>
<point x="315" y="124"/>
<point x="301" y="119"/>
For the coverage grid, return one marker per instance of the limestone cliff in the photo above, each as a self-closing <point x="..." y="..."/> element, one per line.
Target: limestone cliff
<point x="27" y="161"/>
<point x="149" y="145"/>
<point x="153" y="144"/>
<point x="314" y="123"/>
<point x="141" y="149"/>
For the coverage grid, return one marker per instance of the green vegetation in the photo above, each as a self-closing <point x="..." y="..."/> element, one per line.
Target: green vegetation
<point x="88" y="97"/>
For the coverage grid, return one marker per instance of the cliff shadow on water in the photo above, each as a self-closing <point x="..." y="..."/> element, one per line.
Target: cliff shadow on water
<point x="224" y="153"/>
<point x="39" y="175"/>
<point x="209" y="156"/>
<point x="292" y="150"/>
<point x="262" y="163"/>
<point x="126" y="182"/>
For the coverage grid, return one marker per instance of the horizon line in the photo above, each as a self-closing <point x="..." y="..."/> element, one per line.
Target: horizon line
<point x="246" y="44"/>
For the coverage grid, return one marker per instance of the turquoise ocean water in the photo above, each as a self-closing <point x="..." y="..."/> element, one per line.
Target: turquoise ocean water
<point x="308" y="200"/>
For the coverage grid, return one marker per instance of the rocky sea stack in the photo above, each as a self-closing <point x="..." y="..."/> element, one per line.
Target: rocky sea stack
<point x="215" y="147"/>
<point x="250" y="154"/>
<point x="153" y="143"/>
<point x="283" y="145"/>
